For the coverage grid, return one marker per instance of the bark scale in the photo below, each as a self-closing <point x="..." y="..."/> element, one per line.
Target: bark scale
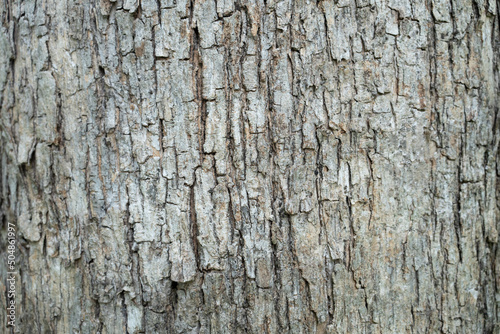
<point x="252" y="167"/>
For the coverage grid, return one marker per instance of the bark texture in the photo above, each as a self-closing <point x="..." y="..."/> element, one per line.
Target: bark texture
<point x="261" y="166"/>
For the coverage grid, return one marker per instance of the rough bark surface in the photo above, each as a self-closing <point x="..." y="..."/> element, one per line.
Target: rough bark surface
<point x="260" y="166"/>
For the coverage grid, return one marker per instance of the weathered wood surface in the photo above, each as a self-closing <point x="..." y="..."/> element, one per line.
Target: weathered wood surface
<point x="252" y="167"/>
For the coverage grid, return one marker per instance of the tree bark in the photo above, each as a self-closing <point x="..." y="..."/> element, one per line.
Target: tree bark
<point x="251" y="166"/>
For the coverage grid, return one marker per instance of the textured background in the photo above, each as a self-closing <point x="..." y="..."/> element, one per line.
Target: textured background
<point x="252" y="166"/>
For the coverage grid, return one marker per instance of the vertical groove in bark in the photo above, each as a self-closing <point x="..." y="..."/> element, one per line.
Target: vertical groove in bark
<point x="243" y="167"/>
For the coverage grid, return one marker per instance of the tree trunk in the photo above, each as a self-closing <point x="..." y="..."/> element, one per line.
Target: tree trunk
<point x="251" y="167"/>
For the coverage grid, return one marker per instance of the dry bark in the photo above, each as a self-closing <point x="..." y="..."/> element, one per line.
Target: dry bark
<point x="252" y="166"/>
